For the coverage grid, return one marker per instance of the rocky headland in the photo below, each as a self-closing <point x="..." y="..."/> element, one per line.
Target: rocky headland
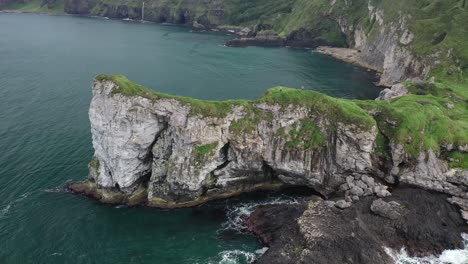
<point x="168" y="152"/>
<point x="392" y="172"/>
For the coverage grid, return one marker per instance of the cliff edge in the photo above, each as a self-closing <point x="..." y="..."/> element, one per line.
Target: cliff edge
<point x="169" y="151"/>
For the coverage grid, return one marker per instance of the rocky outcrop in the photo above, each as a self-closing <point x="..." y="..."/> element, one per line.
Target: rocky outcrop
<point x="185" y="152"/>
<point x="391" y="210"/>
<point x="206" y="13"/>
<point x="397" y="90"/>
<point x="380" y="43"/>
<point x="314" y="232"/>
<point x="79" y="7"/>
<point x="169" y="151"/>
<point x="296" y="39"/>
<point x="263" y="38"/>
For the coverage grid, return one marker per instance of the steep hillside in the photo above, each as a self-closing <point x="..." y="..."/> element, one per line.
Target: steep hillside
<point x="402" y="38"/>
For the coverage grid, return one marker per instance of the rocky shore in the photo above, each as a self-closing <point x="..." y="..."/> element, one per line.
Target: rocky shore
<point x="169" y="152"/>
<point x="347" y="55"/>
<point x="317" y="232"/>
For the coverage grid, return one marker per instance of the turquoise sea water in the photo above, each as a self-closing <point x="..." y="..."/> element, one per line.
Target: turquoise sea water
<point x="47" y="64"/>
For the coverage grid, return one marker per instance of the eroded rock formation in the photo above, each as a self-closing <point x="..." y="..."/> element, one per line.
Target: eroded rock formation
<point x="181" y="157"/>
<point x="170" y="151"/>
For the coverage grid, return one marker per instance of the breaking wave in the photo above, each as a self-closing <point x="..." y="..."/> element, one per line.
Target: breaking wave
<point x="236" y="214"/>
<point x="236" y="256"/>
<point x="457" y="256"/>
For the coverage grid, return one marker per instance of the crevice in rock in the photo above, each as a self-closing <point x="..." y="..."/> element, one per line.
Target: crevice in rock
<point x="224" y="152"/>
<point x="212" y="178"/>
<point x="181" y="18"/>
<point x="144" y="179"/>
<point x="384" y="159"/>
<point x="268" y="172"/>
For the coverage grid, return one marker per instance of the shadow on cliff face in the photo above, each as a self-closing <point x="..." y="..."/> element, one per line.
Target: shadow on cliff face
<point x="316" y="233"/>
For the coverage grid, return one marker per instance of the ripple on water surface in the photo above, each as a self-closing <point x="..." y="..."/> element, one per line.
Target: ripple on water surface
<point x="47" y="64"/>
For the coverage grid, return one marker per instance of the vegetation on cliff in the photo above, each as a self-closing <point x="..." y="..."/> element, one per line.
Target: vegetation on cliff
<point x="432" y="119"/>
<point x="434" y="115"/>
<point x="436" y="31"/>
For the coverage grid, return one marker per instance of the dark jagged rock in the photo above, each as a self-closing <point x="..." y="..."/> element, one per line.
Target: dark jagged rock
<point x="267" y="221"/>
<point x="297" y="39"/>
<point x="391" y="210"/>
<point x="264" y="38"/>
<point x="324" y="235"/>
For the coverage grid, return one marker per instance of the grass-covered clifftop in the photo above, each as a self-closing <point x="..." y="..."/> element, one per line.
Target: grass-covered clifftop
<point x="434" y="32"/>
<point x="341" y="110"/>
<point x="434" y="117"/>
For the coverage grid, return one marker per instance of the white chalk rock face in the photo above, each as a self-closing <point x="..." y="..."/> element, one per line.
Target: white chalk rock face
<point x="123" y="130"/>
<point x="172" y="151"/>
<point x="181" y="156"/>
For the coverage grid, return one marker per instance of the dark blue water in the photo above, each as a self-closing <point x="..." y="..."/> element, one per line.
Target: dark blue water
<point x="46" y="68"/>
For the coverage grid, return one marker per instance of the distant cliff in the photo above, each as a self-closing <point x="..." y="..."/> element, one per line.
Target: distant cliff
<point x="169" y="151"/>
<point x="402" y="39"/>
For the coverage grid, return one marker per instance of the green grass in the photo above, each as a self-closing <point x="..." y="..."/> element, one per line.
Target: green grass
<point x="205" y="150"/>
<point x="419" y="121"/>
<point x="248" y="124"/>
<point x="461" y="160"/>
<point x="382" y="148"/>
<point x="306" y="136"/>
<point x="338" y="110"/>
<point x="36" y="6"/>
<point x="94" y="163"/>
<point x="197" y="107"/>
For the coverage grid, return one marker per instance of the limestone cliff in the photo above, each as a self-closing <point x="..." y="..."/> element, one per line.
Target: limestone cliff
<point x="170" y="151"/>
<point x="186" y="152"/>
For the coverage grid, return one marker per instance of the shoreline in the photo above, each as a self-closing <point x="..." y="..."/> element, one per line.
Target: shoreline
<point x="139" y="196"/>
<point x="343" y="54"/>
<point x="351" y="56"/>
<point x="312" y="230"/>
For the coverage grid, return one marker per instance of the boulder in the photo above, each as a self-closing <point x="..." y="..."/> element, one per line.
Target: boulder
<point x="342" y="204"/>
<point x="391" y="210"/>
<point x="395" y="91"/>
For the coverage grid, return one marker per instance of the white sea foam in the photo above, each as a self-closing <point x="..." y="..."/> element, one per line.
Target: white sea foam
<point x="459" y="256"/>
<point x="261" y="251"/>
<point x="236" y="257"/>
<point x="57" y="189"/>
<point x="4" y="211"/>
<point x="238" y="213"/>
